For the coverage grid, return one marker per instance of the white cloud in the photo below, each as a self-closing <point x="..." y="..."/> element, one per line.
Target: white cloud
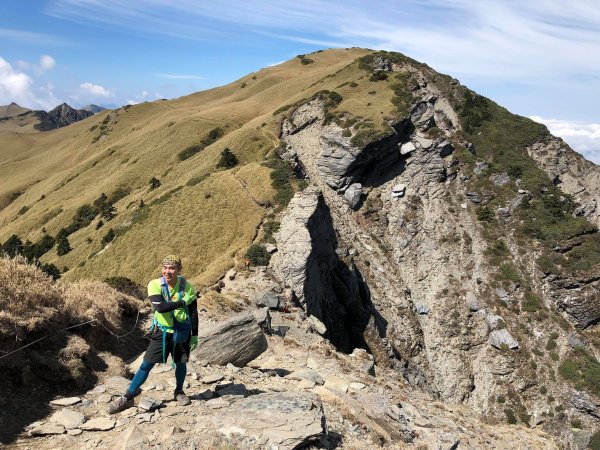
<point x="95" y="90"/>
<point x="23" y="65"/>
<point x="582" y="137"/>
<point x="47" y="62"/>
<point x="17" y="86"/>
<point x="32" y="38"/>
<point x="175" y="76"/>
<point x="499" y="39"/>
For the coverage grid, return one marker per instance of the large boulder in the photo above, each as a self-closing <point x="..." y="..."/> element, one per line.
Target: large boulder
<point x="236" y="341"/>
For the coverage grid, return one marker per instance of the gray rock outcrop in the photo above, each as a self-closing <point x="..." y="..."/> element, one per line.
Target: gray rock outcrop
<point x="501" y="338"/>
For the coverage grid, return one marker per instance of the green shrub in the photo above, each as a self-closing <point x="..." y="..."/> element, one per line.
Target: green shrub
<point x="524" y="417"/>
<point x="531" y="302"/>
<point x="576" y="423"/>
<point x="347" y="132"/>
<point x="485" y="214"/>
<point x="84" y="215"/>
<point x="366" y="136"/>
<point x="510" y="416"/>
<point x="509" y="272"/>
<point x="306" y="61"/>
<point x="258" y="255"/>
<point x="583" y="370"/>
<point x="13" y="246"/>
<point x="501" y="399"/>
<point x="62" y="243"/>
<point x="353" y="84"/>
<point x="543" y="390"/>
<point x="190" y="151"/>
<point x="228" y="159"/>
<point x="44" y="245"/>
<point x="551" y="344"/>
<point x="554" y="356"/>
<point x="269" y="229"/>
<point x="108" y="237"/>
<point x="51" y="270"/>
<point x="154" y="183"/>
<point x="118" y="194"/>
<point x="213" y="136"/>
<point x="196" y="180"/>
<point x="498" y="248"/>
<point x="378" y="75"/>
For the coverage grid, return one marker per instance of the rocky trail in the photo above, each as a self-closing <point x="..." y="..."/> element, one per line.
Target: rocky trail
<point x="300" y="392"/>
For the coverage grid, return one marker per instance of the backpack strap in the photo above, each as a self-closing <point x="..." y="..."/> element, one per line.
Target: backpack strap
<point x="181" y="287"/>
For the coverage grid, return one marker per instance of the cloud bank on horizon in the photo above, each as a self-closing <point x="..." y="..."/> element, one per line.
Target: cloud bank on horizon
<point x="533" y="57"/>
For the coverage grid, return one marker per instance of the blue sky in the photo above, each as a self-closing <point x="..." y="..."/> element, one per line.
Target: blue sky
<point x="538" y="58"/>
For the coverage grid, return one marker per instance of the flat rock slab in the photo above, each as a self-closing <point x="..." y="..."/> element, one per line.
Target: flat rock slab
<point x="212" y="378"/>
<point x="234" y="389"/>
<point x="104" y="398"/>
<point x="117" y="385"/>
<point x="74" y="432"/>
<point x="149" y="404"/>
<point x="99" y="424"/>
<point x="47" y="429"/>
<point x="129" y="412"/>
<point x="68" y="401"/>
<point x="133" y="439"/>
<point x="307" y="374"/>
<point x="217" y="403"/>
<point x="99" y="389"/>
<point x="285" y="420"/>
<point x="67" y="418"/>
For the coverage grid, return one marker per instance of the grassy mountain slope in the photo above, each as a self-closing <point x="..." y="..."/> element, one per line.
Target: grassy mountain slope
<point x="48" y="176"/>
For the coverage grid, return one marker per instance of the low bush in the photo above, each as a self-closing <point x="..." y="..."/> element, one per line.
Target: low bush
<point x="531" y="302"/>
<point x="378" y="75"/>
<point x="510" y="416"/>
<point x="582" y="370"/>
<point x="228" y="159"/>
<point x="258" y="255"/>
<point x="108" y="237"/>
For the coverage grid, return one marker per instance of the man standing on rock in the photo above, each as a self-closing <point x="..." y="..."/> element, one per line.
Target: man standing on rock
<point x="175" y="315"/>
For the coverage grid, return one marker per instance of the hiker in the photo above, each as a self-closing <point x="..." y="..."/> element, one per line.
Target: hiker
<point x="174" y="331"/>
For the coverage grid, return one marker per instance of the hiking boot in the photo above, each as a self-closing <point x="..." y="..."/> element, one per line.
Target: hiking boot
<point x="182" y="399"/>
<point x="121" y="403"/>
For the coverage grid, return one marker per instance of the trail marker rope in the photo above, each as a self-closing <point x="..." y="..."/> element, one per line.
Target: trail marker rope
<point x="75" y="326"/>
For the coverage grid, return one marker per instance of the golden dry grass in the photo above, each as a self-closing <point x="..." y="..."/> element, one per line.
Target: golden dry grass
<point x="208" y="223"/>
<point x="31" y="303"/>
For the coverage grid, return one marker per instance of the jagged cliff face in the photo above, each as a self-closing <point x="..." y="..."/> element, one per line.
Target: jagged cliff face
<point x="392" y="240"/>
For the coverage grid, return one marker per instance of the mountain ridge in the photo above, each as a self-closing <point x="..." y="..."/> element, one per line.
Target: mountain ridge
<point x="426" y="224"/>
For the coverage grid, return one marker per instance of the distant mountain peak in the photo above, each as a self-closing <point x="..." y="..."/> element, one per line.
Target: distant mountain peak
<point x="93" y="108"/>
<point x="61" y="116"/>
